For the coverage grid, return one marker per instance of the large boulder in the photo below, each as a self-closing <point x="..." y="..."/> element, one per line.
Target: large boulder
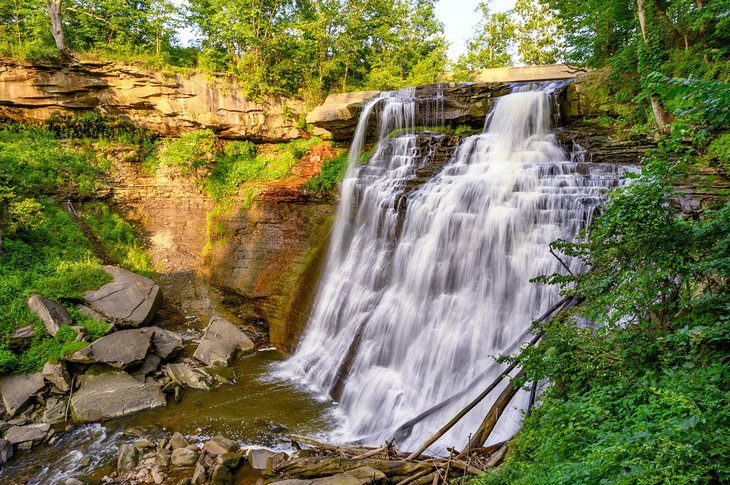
<point x="129" y="300"/>
<point x="17" y="390"/>
<point x="222" y="343"/>
<point x="51" y="313"/>
<point x="123" y="349"/>
<point x="260" y="459"/>
<point x="31" y="432"/>
<point x="106" y="393"/>
<point x="6" y="451"/>
<point x="340" y="112"/>
<point x="166" y="345"/>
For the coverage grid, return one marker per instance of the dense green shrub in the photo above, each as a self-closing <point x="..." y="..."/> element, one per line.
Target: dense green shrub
<point x="188" y="153"/>
<point x="333" y="170"/>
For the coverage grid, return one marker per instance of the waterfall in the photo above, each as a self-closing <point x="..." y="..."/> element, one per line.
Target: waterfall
<point x="427" y="280"/>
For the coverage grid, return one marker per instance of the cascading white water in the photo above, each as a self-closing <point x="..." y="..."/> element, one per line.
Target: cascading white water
<point x="413" y="308"/>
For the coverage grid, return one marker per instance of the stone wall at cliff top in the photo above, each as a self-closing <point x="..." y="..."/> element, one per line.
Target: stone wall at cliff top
<point x="169" y="104"/>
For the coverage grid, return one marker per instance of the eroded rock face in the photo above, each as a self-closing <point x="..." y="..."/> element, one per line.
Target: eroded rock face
<point x="122" y="349"/>
<point x="129" y="300"/>
<point x="450" y="103"/>
<point x="167" y="104"/>
<point x="105" y="394"/>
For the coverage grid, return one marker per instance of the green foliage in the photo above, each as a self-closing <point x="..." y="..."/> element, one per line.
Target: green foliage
<point x="53" y="260"/>
<point x="640" y="392"/>
<point x="333" y="170"/>
<point x="719" y="151"/>
<point x="35" y="163"/>
<point x="188" y="153"/>
<point x="117" y="236"/>
<point x="97" y="126"/>
<point x="704" y="103"/>
<point x="241" y="162"/>
<point x="530" y="29"/>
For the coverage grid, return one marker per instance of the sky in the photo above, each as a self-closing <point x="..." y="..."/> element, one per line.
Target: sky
<point x="459" y="18"/>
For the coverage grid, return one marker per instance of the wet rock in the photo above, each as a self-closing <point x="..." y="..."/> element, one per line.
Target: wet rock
<point x="21" y="338"/>
<point x="231" y="460"/>
<point x="57" y="375"/>
<point x="221" y="475"/>
<point x="186" y="375"/>
<point x="17" y="390"/>
<point x="222" y="343"/>
<point x="185" y="481"/>
<point x="51" y="313"/>
<point x="73" y="481"/>
<point x="177" y="440"/>
<point x="55" y="411"/>
<point x="220" y="445"/>
<point x="105" y="394"/>
<point x="128" y="458"/>
<point x="200" y="476"/>
<point x="184" y="457"/>
<point x="122" y="349"/>
<point x="164" y="457"/>
<point x="166" y="345"/>
<point x="130" y="300"/>
<point x="144" y="443"/>
<point x="4" y="426"/>
<point x="157" y="475"/>
<point x="6" y="450"/>
<point x="31" y="432"/>
<point x="264" y="459"/>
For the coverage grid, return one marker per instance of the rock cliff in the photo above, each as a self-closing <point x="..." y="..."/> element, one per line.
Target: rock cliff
<point x="167" y="103"/>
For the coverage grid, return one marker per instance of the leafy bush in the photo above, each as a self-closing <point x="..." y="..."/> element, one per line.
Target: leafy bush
<point x="117" y="236"/>
<point x="34" y="163"/>
<point x="332" y="172"/>
<point x="189" y="152"/>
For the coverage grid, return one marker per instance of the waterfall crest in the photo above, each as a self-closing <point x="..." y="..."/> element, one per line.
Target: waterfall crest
<point x="426" y="282"/>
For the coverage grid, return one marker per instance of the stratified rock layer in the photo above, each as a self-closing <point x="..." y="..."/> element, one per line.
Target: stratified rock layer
<point x="168" y="104"/>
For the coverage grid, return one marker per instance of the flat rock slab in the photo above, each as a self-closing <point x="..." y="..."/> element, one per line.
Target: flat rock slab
<point x="166" y="345"/>
<point x="222" y="343"/>
<point x="106" y="394"/>
<point x="121" y="350"/>
<point x="31" y="432"/>
<point x="189" y="376"/>
<point x="130" y="300"/>
<point x="51" y="313"/>
<point x="17" y="390"/>
<point x="359" y="476"/>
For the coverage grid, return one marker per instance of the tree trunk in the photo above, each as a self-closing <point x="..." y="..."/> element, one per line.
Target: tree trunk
<point x="656" y="107"/>
<point x="54" y="12"/>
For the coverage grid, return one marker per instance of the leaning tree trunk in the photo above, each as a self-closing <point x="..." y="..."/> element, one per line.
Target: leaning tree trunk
<point x="660" y="115"/>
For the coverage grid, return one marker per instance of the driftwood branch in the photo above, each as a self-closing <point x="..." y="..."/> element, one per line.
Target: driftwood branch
<point x="562" y="263"/>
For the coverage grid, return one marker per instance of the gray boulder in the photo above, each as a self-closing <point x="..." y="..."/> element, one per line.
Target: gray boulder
<point x="177" y="440"/>
<point x="123" y="349"/>
<point x="56" y="374"/>
<point x="186" y="375"/>
<point x="221" y="475"/>
<point x="130" y="300"/>
<point x="31" y="432"/>
<point x="84" y="310"/>
<point x="55" y="411"/>
<point x="51" y="313"/>
<point x="128" y="458"/>
<point x="106" y="393"/>
<point x="184" y="457"/>
<point x="21" y="338"/>
<point x="220" y="445"/>
<point x="17" y="390"/>
<point x="264" y="459"/>
<point x="222" y="343"/>
<point x="166" y="345"/>
<point x="6" y="451"/>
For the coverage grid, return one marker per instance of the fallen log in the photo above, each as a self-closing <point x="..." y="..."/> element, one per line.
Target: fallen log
<point x="490" y="419"/>
<point x="326" y="466"/>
